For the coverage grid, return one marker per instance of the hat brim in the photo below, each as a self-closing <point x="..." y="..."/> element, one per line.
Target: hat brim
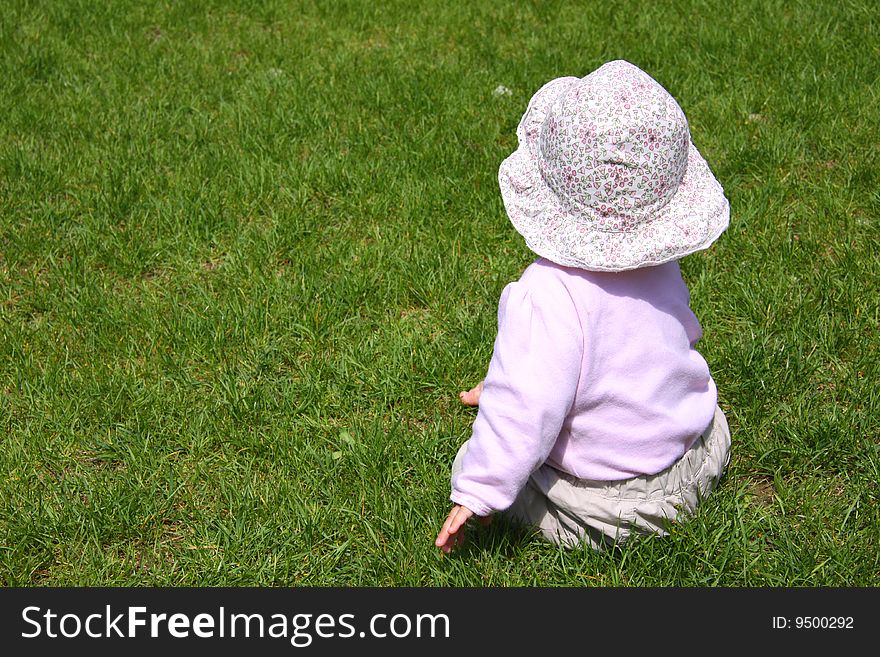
<point x="691" y="221"/>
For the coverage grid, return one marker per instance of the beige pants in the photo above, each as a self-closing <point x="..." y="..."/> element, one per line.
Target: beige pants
<point x="570" y="511"/>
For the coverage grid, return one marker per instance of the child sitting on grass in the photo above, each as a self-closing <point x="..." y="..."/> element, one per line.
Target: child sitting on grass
<point x="597" y="418"/>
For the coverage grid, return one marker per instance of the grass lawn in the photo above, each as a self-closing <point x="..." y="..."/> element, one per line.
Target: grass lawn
<point x="251" y="251"/>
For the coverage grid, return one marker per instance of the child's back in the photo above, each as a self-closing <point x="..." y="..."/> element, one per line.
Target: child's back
<point x="600" y="372"/>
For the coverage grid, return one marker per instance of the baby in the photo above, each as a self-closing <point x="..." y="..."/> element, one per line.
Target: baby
<point x="597" y="418"/>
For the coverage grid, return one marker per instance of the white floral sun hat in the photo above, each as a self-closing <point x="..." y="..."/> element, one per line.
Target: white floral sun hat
<point x="606" y="178"/>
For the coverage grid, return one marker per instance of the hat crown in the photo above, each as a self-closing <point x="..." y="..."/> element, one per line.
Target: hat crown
<point x="614" y="147"/>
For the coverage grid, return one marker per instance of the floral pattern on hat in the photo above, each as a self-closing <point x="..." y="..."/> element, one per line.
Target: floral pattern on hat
<point x="606" y="177"/>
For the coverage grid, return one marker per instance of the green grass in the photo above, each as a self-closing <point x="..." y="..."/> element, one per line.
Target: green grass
<point x="250" y="251"/>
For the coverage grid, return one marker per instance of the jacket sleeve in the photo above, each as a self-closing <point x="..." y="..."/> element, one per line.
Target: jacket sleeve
<point x="528" y="392"/>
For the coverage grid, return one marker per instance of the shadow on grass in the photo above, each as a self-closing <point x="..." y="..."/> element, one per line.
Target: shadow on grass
<point x="507" y="537"/>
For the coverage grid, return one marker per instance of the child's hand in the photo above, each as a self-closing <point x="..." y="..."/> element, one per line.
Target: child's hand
<point x="452" y="533"/>
<point x="471" y="397"/>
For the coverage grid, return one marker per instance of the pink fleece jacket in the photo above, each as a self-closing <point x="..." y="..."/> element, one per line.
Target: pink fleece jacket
<point x="594" y="373"/>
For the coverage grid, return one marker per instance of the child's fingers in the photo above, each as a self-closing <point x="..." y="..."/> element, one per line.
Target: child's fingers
<point x="457" y="517"/>
<point x="471" y="397"/>
<point x="447" y="540"/>
<point x="452" y="532"/>
<point x="451" y="541"/>
<point x="446" y="532"/>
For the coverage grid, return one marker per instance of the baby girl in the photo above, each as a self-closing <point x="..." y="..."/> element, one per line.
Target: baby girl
<point x="598" y="419"/>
